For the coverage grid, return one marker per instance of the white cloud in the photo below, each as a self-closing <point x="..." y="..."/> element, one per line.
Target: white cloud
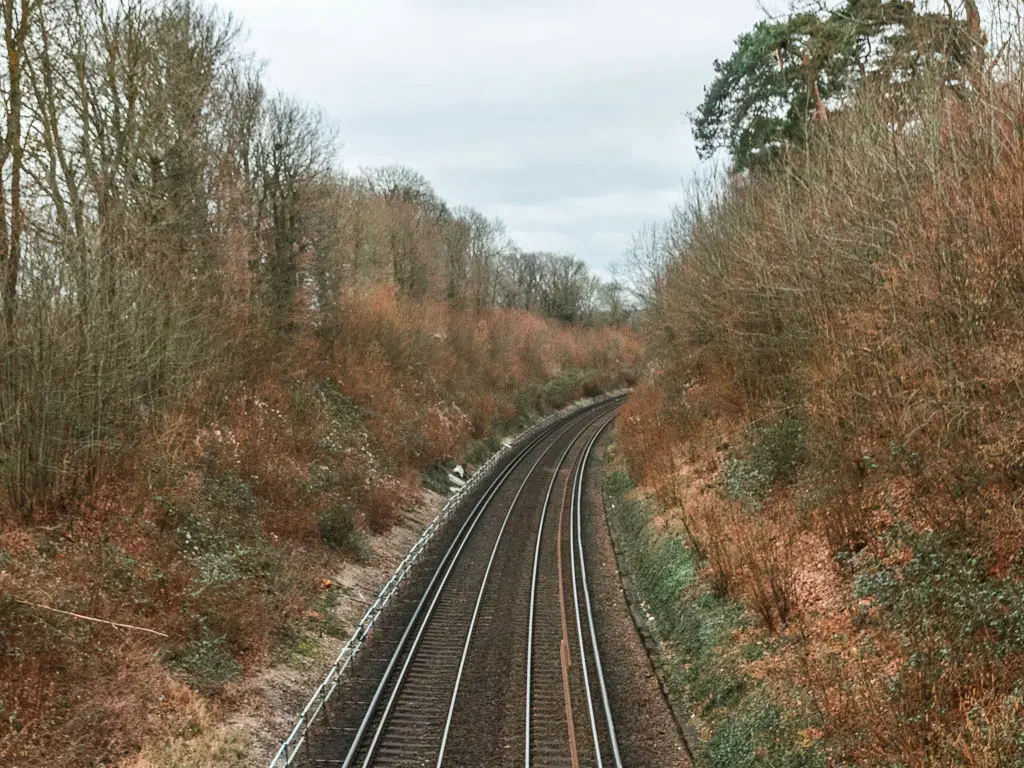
<point x="566" y="118"/>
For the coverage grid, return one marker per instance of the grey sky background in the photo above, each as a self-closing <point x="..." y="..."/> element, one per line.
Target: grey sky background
<point x="564" y="118"/>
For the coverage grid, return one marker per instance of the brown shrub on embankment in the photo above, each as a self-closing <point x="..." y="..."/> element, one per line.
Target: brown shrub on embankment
<point x="238" y="499"/>
<point x="224" y="361"/>
<point x="836" y="418"/>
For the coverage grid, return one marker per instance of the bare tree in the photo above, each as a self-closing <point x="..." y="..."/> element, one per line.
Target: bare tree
<point x="643" y="264"/>
<point x="610" y="306"/>
<point x="296" y="151"/>
<point x="415" y="221"/>
<point x="567" y="288"/>
<point x="485" y="241"/>
<point x="18" y="19"/>
<point x="520" y="279"/>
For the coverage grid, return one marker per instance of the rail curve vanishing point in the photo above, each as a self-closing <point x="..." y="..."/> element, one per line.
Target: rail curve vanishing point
<point x="486" y="629"/>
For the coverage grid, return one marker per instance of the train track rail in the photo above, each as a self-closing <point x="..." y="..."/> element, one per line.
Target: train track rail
<point x="494" y="661"/>
<point x="550" y="653"/>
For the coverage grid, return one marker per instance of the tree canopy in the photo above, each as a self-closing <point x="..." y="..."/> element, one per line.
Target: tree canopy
<point x="786" y="74"/>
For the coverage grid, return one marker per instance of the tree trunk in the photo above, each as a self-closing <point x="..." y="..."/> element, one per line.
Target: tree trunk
<point x="15" y="32"/>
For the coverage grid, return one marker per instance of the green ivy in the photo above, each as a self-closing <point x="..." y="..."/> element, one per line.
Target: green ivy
<point x="702" y="660"/>
<point x="773" y="453"/>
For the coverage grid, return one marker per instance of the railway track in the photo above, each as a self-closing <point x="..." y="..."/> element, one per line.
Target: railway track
<point x="492" y="658"/>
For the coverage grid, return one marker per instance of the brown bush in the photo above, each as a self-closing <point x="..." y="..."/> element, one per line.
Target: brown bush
<point x="236" y="499"/>
<point x="873" y="285"/>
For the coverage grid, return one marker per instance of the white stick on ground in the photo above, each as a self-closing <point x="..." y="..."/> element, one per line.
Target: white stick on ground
<point x="92" y="618"/>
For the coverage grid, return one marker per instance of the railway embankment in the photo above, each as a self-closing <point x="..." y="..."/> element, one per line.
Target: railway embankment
<point x="705" y="648"/>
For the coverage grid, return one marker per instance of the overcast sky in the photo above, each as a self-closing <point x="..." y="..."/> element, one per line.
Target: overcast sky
<point x="564" y="118"/>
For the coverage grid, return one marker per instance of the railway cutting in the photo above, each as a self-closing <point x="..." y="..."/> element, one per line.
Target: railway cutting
<point x="496" y="652"/>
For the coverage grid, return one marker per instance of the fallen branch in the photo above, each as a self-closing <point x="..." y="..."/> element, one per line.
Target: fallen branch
<point x="92" y="618"/>
<point x="356" y="599"/>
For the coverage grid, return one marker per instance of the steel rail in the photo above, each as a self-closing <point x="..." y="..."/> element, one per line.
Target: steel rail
<point x="578" y="494"/>
<point x="291" y="745"/>
<point x="483" y="587"/>
<point x="533" y="589"/>
<point x="433" y="595"/>
<point x="579" y="626"/>
<point x="434" y="590"/>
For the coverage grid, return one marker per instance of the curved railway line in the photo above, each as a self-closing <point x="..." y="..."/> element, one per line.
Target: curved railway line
<point x="491" y="656"/>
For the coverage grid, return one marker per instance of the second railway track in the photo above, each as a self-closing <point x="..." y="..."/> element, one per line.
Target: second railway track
<point x="491" y="659"/>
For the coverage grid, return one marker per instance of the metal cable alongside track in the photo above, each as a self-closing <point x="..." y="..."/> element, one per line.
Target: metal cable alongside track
<point x="595" y="653"/>
<point x="554" y="671"/>
<point x="442" y="684"/>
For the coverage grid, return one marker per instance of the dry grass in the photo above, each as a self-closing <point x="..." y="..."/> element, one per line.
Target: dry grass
<point x="839" y="346"/>
<point x="236" y="500"/>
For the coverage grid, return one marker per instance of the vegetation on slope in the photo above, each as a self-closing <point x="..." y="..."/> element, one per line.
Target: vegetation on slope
<point x="223" y="364"/>
<point x="704" y="643"/>
<point x="833" y="421"/>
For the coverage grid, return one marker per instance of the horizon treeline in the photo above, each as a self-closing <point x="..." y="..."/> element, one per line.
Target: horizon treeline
<point x="158" y="203"/>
